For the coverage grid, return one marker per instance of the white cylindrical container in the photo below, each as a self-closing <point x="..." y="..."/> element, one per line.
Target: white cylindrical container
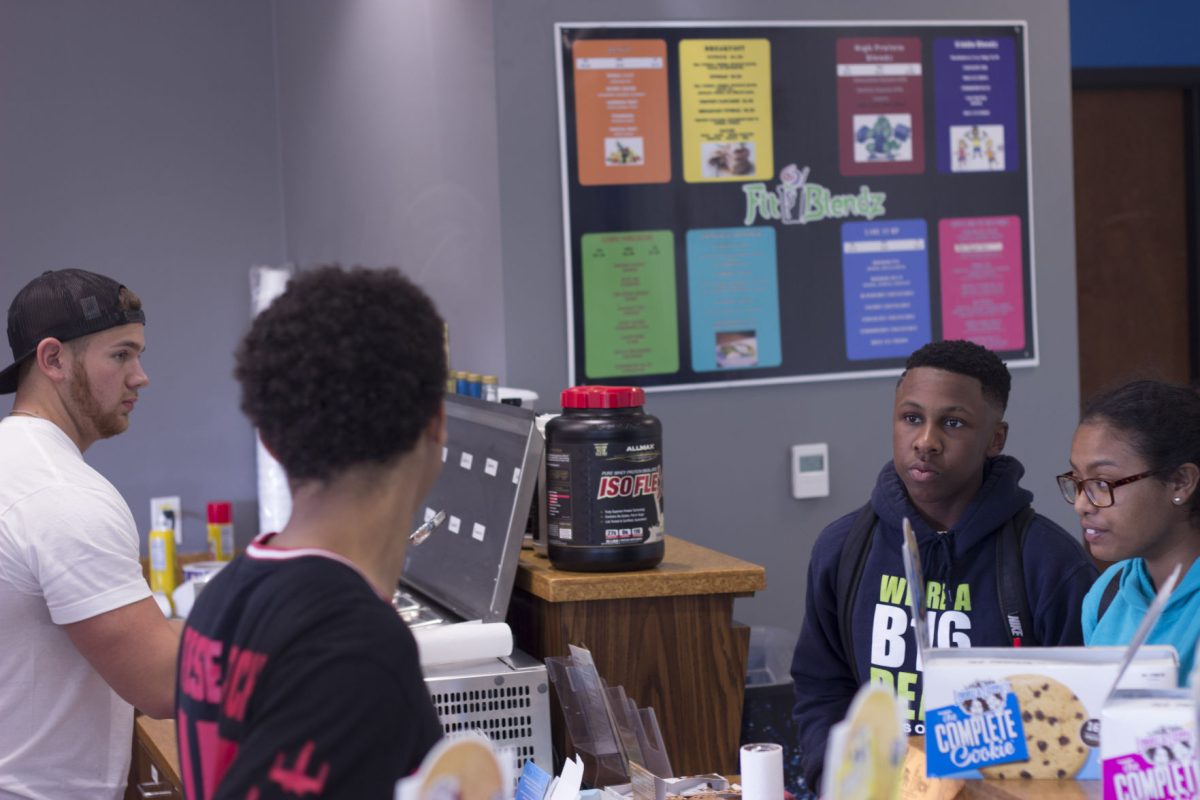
<point x="762" y="772"/>
<point x="274" y="496"/>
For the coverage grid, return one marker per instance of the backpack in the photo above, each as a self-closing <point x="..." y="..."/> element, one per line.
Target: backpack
<point x="1110" y="592"/>
<point x="1010" y="577"/>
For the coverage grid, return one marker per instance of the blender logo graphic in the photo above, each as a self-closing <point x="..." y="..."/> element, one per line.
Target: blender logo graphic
<point x="796" y="201"/>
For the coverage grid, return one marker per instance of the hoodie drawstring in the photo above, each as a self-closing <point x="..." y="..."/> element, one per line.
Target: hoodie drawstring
<point x="940" y="556"/>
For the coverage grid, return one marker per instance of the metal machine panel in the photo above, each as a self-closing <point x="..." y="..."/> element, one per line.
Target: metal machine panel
<point x="508" y="699"/>
<point x="485" y="487"/>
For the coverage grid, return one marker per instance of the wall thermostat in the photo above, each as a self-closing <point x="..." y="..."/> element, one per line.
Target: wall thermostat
<point x="810" y="470"/>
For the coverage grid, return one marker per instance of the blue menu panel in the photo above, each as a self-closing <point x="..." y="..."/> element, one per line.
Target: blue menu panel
<point x="885" y="281"/>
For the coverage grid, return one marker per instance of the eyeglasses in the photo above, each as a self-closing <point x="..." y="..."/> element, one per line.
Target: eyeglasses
<point x="1098" y="490"/>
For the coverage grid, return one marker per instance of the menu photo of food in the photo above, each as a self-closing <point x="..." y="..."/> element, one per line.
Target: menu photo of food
<point x="625" y="151"/>
<point x="737" y="349"/>
<point x="726" y="159"/>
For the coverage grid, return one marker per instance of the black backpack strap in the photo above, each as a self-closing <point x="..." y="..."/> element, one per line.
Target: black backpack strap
<point x="849" y="575"/>
<point x="1010" y="579"/>
<point x="1110" y="592"/>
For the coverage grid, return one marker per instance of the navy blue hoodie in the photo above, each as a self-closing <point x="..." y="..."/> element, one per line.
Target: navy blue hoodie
<point x="959" y="565"/>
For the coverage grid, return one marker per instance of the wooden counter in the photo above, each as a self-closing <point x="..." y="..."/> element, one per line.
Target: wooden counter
<point x="666" y="635"/>
<point x="686" y="569"/>
<point x="1031" y="790"/>
<point x="155" y="760"/>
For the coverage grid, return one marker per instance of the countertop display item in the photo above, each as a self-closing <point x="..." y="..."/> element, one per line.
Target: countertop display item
<point x="606" y="726"/>
<point x="603" y="482"/>
<point x="865" y="756"/>
<point x="220" y="530"/>
<point x="762" y="771"/>
<point x="162" y="557"/>
<point x="464" y="767"/>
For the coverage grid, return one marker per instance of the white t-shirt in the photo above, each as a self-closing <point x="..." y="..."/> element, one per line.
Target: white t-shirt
<point x="68" y="552"/>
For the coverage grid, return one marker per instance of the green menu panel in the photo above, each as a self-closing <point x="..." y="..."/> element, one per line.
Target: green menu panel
<point x="629" y="303"/>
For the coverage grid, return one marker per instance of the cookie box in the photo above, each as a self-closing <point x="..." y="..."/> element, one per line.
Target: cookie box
<point x="1148" y="745"/>
<point x="1027" y="713"/>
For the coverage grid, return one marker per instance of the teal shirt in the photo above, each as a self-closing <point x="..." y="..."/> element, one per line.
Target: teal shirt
<point x="1179" y="624"/>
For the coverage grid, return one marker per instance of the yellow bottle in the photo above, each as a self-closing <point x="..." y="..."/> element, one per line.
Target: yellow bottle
<point x="451" y="383"/>
<point x="162" y="557"/>
<point x="220" y="530"/>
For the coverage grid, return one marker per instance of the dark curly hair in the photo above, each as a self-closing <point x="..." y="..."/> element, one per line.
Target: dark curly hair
<point x="346" y="367"/>
<point x="970" y="359"/>
<point x="1160" y="420"/>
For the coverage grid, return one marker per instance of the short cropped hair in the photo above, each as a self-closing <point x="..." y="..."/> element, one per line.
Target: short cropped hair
<point x="346" y="367"/>
<point x="1160" y="420"/>
<point x="970" y="359"/>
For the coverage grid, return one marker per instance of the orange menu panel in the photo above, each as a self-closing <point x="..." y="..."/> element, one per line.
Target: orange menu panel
<point x="621" y="121"/>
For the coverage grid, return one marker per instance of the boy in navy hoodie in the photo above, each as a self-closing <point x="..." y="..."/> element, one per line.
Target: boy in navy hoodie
<point x="948" y="477"/>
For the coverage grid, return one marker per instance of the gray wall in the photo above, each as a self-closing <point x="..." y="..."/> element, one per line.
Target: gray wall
<point x="388" y="139"/>
<point x="138" y="139"/>
<point x="726" y="471"/>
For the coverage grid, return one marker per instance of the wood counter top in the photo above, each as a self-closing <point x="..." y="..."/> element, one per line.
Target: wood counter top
<point x="158" y="737"/>
<point x="686" y="569"/>
<point x="1032" y="790"/>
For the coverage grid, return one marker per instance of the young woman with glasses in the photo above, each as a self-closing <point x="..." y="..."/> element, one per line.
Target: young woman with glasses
<point x="1133" y="482"/>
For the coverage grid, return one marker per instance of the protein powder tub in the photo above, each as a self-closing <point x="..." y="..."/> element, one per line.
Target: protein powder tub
<point x="604" y="502"/>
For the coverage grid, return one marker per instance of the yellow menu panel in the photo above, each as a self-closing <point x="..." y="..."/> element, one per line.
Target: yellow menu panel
<point x="725" y="104"/>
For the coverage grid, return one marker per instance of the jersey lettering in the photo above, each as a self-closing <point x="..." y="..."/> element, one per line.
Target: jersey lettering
<point x="893" y="590"/>
<point x="296" y="779"/>
<point x="200" y="676"/>
<point x="962" y="597"/>
<point x="215" y="682"/>
<point x="887" y="644"/>
<point x="895" y="661"/>
<point x="246" y="667"/>
<point x="950" y="631"/>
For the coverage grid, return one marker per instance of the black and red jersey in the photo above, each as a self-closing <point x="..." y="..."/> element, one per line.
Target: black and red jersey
<point x="297" y="680"/>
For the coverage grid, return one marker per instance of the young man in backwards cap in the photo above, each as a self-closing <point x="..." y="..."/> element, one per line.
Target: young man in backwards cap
<point x="297" y="678"/>
<point x="84" y="641"/>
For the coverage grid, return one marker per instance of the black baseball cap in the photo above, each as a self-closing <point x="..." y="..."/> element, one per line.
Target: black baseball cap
<point x="64" y="304"/>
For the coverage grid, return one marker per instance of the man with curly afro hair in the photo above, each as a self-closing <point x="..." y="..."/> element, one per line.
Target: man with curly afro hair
<point x="296" y="675"/>
<point x="948" y="477"/>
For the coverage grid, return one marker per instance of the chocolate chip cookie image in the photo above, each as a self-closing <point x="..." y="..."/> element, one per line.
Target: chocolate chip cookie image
<point x="1053" y="717"/>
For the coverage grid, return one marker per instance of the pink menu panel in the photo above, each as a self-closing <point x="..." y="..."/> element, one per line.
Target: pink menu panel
<point x="983" y="294"/>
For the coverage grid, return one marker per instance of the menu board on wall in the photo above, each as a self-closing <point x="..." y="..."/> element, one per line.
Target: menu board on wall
<point x="776" y="202"/>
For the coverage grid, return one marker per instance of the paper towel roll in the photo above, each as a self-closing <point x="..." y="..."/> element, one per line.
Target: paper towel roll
<point x="266" y="283"/>
<point x="466" y="641"/>
<point x="274" y="496"/>
<point x="762" y="772"/>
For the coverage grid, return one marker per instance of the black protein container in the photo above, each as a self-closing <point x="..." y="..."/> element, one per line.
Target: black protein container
<point x="604" y="501"/>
